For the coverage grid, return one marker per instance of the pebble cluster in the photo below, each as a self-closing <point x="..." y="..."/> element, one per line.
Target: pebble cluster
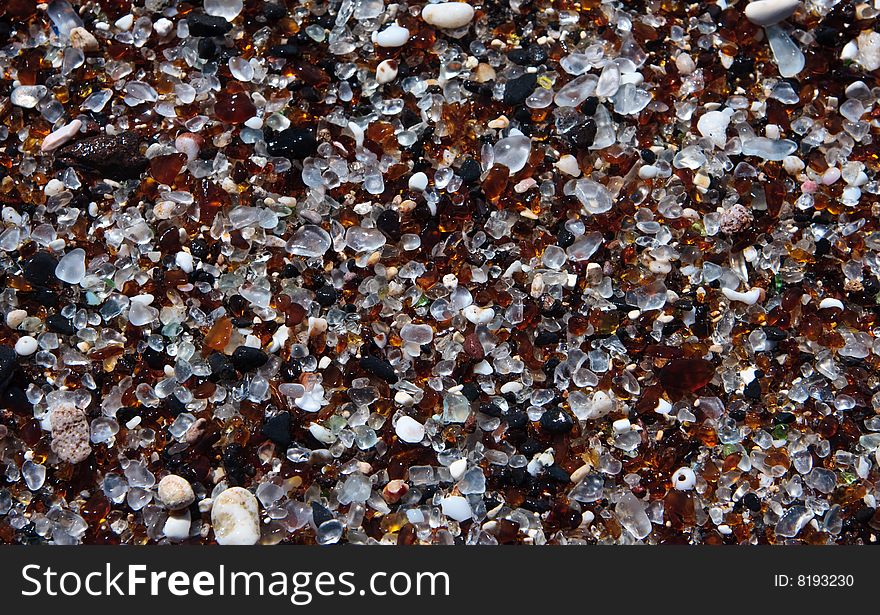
<point x="369" y="272"/>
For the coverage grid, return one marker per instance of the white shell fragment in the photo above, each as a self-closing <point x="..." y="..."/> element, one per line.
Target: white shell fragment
<point x="235" y="517"/>
<point x="770" y="12"/>
<point x="59" y="137"/>
<point x="448" y="15"/>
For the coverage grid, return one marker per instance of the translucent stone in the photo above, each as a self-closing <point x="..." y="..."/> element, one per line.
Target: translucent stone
<point x="513" y="152"/>
<point x="227" y="9"/>
<point x="593" y="196"/>
<point x="27" y="96"/>
<point x="309" y="241"/>
<point x="630" y="100"/>
<point x="72" y="266"/>
<point x="631" y="513"/>
<point x="554" y="257"/>
<point x="103" y="429"/>
<point x="355" y="488"/>
<point x="590" y="489"/>
<point x="473" y="481"/>
<point x="793" y="521"/>
<point x="138" y="475"/>
<point x="419" y="334"/>
<point x="241" y="69"/>
<point x="329" y="532"/>
<point x="181" y="425"/>
<point x="852" y="110"/>
<point x="34" y="474"/>
<point x="585" y="246"/>
<point x="362" y="239"/>
<point x="541" y="98"/>
<point x="576" y="91"/>
<point x="137" y="92"/>
<point x="456" y="408"/>
<point x="64" y="17"/>
<point x="609" y="81"/>
<point x="768" y="149"/>
<point x="97" y="100"/>
<point x="269" y="493"/>
<point x="789" y="58"/>
<point x="140" y="314"/>
<point x="115" y="487"/>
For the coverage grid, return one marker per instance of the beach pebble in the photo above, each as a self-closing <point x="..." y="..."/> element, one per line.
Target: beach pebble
<point x="418" y="181"/>
<point x="83" y="39"/>
<point x="176" y="492"/>
<point x="735" y="219"/>
<point x="868" y="50"/>
<point x="478" y="315"/>
<point x="190" y="144"/>
<point x="409" y="430"/>
<point x="684" y="479"/>
<point x="26" y="346"/>
<point x="770" y="12"/>
<point x="568" y="164"/>
<point x="15" y="318"/>
<point x="177" y="526"/>
<point x="830" y="303"/>
<point x="750" y="297"/>
<point x="392" y="36"/>
<point x="456" y="507"/>
<point x="386" y="72"/>
<point x="72" y="266"/>
<point x="236" y="517"/>
<point x="70" y="433"/>
<point x="713" y="125"/>
<point x="448" y="14"/>
<point x="61" y="136"/>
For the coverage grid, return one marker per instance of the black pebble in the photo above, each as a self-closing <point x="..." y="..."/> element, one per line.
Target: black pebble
<point x="246" y="358"/>
<point x="389" y="223"/>
<point x="277" y="429"/>
<point x="752" y="502"/>
<point x="236" y="464"/>
<point x="558" y="474"/>
<point x="294" y="143"/>
<point x="742" y="66"/>
<point x="39" y="269"/>
<point x="320" y="514"/>
<point x="59" y="324"/>
<point x="470" y="171"/>
<point x="533" y="55"/>
<point x="199" y="248"/>
<point x="753" y="389"/>
<point x="516" y="419"/>
<point x="207" y="49"/>
<point x="207" y="25"/>
<point x="585" y="134"/>
<point x="517" y="90"/>
<point x="154" y="359"/>
<point x="470" y="391"/>
<point x="555" y="420"/>
<point x="6" y="30"/>
<point x="273" y="11"/>
<point x="547" y="338"/>
<point x="326" y="296"/>
<point x="221" y="367"/>
<point x="379" y="368"/>
<point x="284" y="51"/>
<point x="564" y="238"/>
